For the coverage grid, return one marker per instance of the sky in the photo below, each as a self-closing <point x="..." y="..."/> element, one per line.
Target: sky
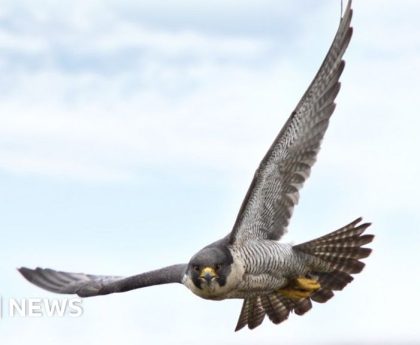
<point x="129" y="134"/>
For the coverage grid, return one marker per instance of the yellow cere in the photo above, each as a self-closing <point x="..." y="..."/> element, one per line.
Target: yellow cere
<point x="209" y="270"/>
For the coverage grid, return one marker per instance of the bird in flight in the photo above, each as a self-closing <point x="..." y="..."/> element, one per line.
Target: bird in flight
<point x="272" y="278"/>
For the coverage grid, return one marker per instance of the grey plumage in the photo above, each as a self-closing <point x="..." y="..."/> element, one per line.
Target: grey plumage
<point x="272" y="278"/>
<point x="274" y="191"/>
<point x="87" y="285"/>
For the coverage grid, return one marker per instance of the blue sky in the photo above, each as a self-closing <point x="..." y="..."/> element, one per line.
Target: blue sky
<point x="130" y="131"/>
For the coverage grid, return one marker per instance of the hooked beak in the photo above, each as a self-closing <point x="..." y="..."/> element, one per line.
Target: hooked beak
<point x="208" y="274"/>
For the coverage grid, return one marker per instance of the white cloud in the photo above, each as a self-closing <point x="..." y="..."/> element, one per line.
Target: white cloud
<point x="206" y="125"/>
<point x="170" y="44"/>
<point x="75" y="121"/>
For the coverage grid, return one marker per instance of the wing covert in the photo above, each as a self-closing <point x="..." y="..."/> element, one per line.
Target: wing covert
<point x="274" y="191"/>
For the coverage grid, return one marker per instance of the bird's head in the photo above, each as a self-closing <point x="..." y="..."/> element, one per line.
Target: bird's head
<point x="209" y="268"/>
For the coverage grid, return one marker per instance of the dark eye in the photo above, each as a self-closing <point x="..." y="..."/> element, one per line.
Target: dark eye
<point x="218" y="266"/>
<point x="196" y="268"/>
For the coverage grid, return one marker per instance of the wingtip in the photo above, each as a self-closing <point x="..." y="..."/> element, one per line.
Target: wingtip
<point x="26" y="272"/>
<point x="23" y="270"/>
<point x="348" y="9"/>
<point x="347" y="16"/>
<point x="349" y="4"/>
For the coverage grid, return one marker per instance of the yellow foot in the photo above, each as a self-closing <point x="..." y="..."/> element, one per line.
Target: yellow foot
<point x="308" y="284"/>
<point x="300" y="288"/>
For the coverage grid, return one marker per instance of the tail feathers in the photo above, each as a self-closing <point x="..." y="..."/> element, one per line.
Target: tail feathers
<point x="252" y="313"/>
<point x="336" y="256"/>
<point x="340" y="250"/>
<point x="322" y="295"/>
<point x="276" y="310"/>
<point x="275" y="306"/>
<point x="336" y="280"/>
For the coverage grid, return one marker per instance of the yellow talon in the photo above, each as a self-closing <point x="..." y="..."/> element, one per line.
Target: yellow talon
<point x="308" y="284"/>
<point x="300" y="288"/>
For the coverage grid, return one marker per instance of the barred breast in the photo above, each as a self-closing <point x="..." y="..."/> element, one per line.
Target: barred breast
<point x="268" y="266"/>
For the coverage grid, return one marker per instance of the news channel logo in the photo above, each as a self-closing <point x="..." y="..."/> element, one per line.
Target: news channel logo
<point x="34" y="307"/>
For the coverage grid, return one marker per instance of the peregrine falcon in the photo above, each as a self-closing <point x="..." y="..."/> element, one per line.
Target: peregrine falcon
<point x="272" y="278"/>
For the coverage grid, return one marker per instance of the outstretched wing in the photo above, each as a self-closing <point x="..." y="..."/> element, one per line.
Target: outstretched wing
<point x="274" y="191"/>
<point x="86" y="285"/>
